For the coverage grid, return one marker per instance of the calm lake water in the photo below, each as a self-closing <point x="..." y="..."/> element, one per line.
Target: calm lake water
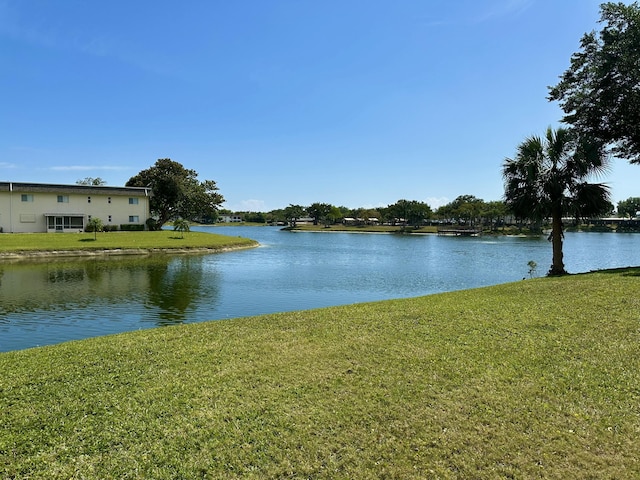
<point x="43" y="303"/>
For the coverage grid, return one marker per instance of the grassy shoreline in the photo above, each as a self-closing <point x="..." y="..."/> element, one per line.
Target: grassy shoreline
<point x="22" y="245"/>
<point x="534" y="379"/>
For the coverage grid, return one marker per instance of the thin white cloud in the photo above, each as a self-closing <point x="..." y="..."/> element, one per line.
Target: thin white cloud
<point x="504" y="8"/>
<point x="7" y="165"/>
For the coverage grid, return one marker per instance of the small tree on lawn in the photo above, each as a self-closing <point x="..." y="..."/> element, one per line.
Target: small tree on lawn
<point x="181" y="225"/>
<point x="532" y="268"/>
<point x="95" y="225"/>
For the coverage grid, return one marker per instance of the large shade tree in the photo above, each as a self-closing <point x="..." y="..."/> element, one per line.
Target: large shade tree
<point x="318" y="211"/>
<point x="292" y="213"/>
<point x="600" y="91"/>
<point x="629" y="207"/>
<point x="548" y="178"/>
<point x="177" y="192"/>
<point x="409" y="212"/>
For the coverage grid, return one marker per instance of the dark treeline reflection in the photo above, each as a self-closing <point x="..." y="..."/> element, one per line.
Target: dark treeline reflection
<point x="175" y="287"/>
<point x="160" y="289"/>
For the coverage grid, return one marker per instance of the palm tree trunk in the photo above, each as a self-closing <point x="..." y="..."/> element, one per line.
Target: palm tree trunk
<point x="557" y="266"/>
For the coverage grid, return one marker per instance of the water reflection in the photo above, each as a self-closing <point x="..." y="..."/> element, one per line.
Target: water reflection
<point x="161" y="290"/>
<point x="45" y="302"/>
<point x="174" y="288"/>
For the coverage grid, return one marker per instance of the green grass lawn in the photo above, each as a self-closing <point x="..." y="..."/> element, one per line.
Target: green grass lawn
<point x="164" y="239"/>
<point x="534" y="379"/>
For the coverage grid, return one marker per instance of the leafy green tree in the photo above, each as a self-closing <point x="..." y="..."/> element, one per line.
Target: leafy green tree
<point x="418" y="212"/>
<point x="493" y="212"/>
<point x="369" y="215"/>
<point x="467" y="208"/>
<point x="397" y="212"/>
<point x="629" y="207"/>
<point x="446" y="213"/>
<point x="365" y="215"/>
<point x="277" y="215"/>
<point x="335" y="214"/>
<point x="599" y="92"/>
<point x="91" y="181"/>
<point x="318" y="211"/>
<point x="95" y="225"/>
<point x="177" y="192"/>
<point x="201" y="201"/>
<point x="181" y="225"/>
<point x="344" y="211"/>
<point x="254" y="217"/>
<point x="548" y="178"/>
<point x="409" y="212"/>
<point x="386" y="214"/>
<point x="292" y="213"/>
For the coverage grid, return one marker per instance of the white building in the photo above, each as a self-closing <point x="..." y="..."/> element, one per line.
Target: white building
<point x="230" y="218"/>
<point x="37" y="207"/>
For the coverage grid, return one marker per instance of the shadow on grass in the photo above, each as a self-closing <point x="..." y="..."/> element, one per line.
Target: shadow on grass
<point x="87" y="240"/>
<point x="176" y="238"/>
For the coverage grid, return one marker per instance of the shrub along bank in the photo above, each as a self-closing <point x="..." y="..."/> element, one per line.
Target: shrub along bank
<point x="531" y="379"/>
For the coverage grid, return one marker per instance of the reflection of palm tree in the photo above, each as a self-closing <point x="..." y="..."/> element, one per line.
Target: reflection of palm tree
<point x="547" y="178"/>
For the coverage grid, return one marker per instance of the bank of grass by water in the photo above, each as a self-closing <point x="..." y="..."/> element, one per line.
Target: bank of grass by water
<point x="535" y="379"/>
<point x="25" y="243"/>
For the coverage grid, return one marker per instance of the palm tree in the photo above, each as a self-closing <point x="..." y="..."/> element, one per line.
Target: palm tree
<point x="181" y="225"/>
<point x="548" y="178"/>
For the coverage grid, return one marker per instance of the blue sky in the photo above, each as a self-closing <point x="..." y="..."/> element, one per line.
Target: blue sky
<point x="352" y="102"/>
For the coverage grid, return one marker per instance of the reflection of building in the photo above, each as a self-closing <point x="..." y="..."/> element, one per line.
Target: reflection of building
<point x="38" y="207"/>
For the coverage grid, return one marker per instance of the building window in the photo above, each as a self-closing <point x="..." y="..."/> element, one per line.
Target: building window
<point x="134" y="219"/>
<point x="109" y="218"/>
<point x="60" y="222"/>
<point x="109" y="200"/>
<point x="88" y="199"/>
<point x="133" y="201"/>
<point x="27" y="197"/>
<point x="63" y="198"/>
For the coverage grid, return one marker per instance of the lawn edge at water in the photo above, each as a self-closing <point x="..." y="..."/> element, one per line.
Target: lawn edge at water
<point x="532" y="379"/>
<point x="18" y="246"/>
